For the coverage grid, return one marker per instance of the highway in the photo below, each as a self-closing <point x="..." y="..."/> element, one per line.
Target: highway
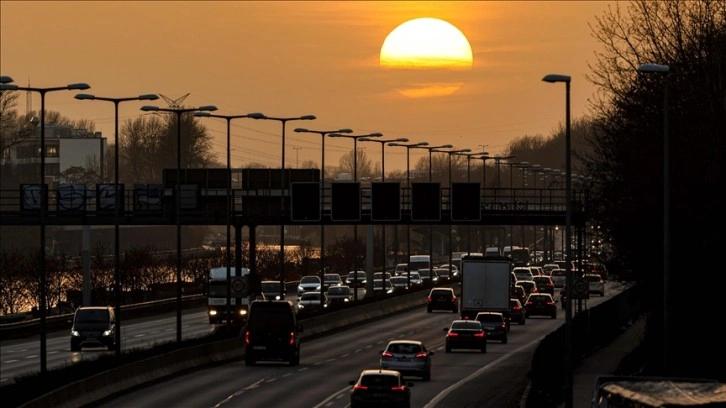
<point x="327" y="364"/>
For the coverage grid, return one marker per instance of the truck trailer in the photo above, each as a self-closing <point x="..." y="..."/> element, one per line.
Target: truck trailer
<point x="485" y="285"/>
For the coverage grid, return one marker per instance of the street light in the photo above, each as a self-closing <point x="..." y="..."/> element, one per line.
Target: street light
<point x="6" y="86"/>
<point x="383" y="179"/>
<point x="284" y="121"/>
<point x="117" y="205"/>
<point x="322" y="134"/>
<point x="179" y="112"/>
<point x="431" y="149"/>
<point x="451" y="259"/>
<point x="535" y="173"/>
<point x="355" y="226"/>
<point x="664" y="70"/>
<point x="468" y="179"/>
<point x="230" y="204"/>
<point x="555" y="78"/>
<point x="408" y="185"/>
<point x="497" y="161"/>
<point x="484" y="159"/>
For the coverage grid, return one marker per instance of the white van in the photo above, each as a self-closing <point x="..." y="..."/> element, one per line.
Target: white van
<point x="492" y="251"/>
<point x="416" y="262"/>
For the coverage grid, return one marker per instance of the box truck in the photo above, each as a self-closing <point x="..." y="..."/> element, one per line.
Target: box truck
<point x="485" y="285"/>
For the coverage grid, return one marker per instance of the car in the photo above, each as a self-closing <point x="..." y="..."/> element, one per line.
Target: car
<point x="453" y="270"/>
<point x="494" y="324"/>
<point x="382" y="275"/>
<point x="519" y="293"/>
<point x="378" y="388"/>
<point x="540" y="304"/>
<point x="516" y="311"/>
<point x="339" y="295"/>
<point x="544" y="284"/>
<point x="429" y="277"/>
<point x="310" y="302"/>
<point x="548" y="268"/>
<point x="356" y="279"/>
<point x="272" y="333"/>
<point x="595" y="283"/>
<point x="536" y="270"/>
<point x="331" y="279"/>
<point x="465" y="334"/>
<point x="522" y="273"/>
<point x="415" y="278"/>
<point x="273" y="289"/>
<point x="444" y="276"/>
<point x="93" y="326"/>
<point x="400" y="269"/>
<point x="558" y="277"/>
<point x="382" y="287"/>
<point x="529" y="286"/>
<point x="442" y="299"/>
<point x="409" y="357"/>
<point x="308" y="283"/>
<point x="399" y="283"/>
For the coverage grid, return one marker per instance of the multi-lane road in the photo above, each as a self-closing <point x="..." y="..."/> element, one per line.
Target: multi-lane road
<point x="467" y="379"/>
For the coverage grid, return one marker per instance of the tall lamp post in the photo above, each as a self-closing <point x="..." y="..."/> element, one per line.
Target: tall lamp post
<point x="664" y="70"/>
<point x="468" y="180"/>
<point x="497" y="162"/>
<point x="178" y="112"/>
<point x="230" y="204"/>
<point x="355" y="179"/>
<point x="555" y="78"/>
<point x="284" y="121"/>
<point x="118" y="204"/>
<point x="431" y="149"/>
<point x="535" y="173"/>
<point x="7" y="86"/>
<point x="451" y="243"/>
<point x="523" y="166"/>
<point x="408" y="186"/>
<point x="322" y="134"/>
<point x="383" y="179"/>
<point x="484" y="159"/>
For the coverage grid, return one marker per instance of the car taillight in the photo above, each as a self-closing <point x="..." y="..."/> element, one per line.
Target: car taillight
<point x="503" y="325"/>
<point x="422" y="355"/>
<point x="528" y="303"/>
<point x="549" y="302"/>
<point x="453" y="334"/>
<point x="386" y="354"/>
<point x="398" y="388"/>
<point x="247" y="337"/>
<point x="453" y="299"/>
<point x="360" y="387"/>
<point x="517" y="308"/>
<point x="429" y="298"/>
<point x="481" y="334"/>
<point x="292" y="338"/>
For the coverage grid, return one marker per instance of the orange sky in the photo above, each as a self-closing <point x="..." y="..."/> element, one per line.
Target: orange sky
<point x="288" y="59"/>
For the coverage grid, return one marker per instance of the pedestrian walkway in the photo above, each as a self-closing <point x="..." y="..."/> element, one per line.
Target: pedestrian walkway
<point x="604" y="361"/>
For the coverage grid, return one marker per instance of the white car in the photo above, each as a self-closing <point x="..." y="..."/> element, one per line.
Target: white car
<point x="523" y="273"/>
<point x="309" y="283"/>
<point x="595" y="283"/>
<point x="558" y="278"/>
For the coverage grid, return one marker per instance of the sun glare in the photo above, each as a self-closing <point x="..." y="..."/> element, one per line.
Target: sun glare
<point x="430" y="47"/>
<point x="426" y="43"/>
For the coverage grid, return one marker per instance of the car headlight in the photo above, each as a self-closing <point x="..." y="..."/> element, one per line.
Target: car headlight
<point x="75" y="333"/>
<point x="346" y="300"/>
<point x="242" y="312"/>
<point x="300" y="289"/>
<point x="317" y="288"/>
<point x="212" y="312"/>
<point x="107" y="333"/>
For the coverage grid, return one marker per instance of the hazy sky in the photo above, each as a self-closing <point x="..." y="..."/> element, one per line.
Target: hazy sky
<point x="288" y="59"/>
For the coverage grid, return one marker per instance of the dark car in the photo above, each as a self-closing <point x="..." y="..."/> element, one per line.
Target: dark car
<point x="519" y="293"/>
<point x="442" y="299"/>
<point x="544" y="284"/>
<point x="272" y="333"/>
<point x="528" y="285"/>
<point x="380" y="388"/>
<point x="93" y="326"/>
<point x="409" y="357"/>
<point x="516" y="311"/>
<point x="540" y="304"/>
<point x="494" y="324"/>
<point x="273" y="289"/>
<point x="465" y="334"/>
<point x="356" y="280"/>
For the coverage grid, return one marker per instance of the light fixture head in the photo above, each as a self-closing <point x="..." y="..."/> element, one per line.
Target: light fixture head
<point x="79" y="85"/>
<point x="255" y="115"/>
<point x="551" y="78"/>
<point x="207" y="108"/>
<point x="85" y="96"/>
<point x="308" y="117"/>
<point x="148" y="97"/>
<point x="202" y="114"/>
<point x="653" y="68"/>
<point x="4" y="79"/>
<point x="149" y="108"/>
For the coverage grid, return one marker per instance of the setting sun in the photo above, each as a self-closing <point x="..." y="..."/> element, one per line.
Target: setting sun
<point x="427" y="44"/>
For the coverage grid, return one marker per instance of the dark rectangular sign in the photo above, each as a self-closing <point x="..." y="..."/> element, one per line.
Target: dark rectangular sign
<point x="426" y="201"/>
<point x="345" y="202"/>
<point x="465" y="202"/>
<point x="386" y="201"/>
<point x="305" y="201"/>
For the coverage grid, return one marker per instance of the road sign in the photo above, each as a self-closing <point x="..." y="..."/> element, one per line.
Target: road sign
<point x="239" y="286"/>
<point x="580" y="289"/>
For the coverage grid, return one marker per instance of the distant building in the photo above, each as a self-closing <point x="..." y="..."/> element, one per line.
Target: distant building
<point x="65" y="147"/>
